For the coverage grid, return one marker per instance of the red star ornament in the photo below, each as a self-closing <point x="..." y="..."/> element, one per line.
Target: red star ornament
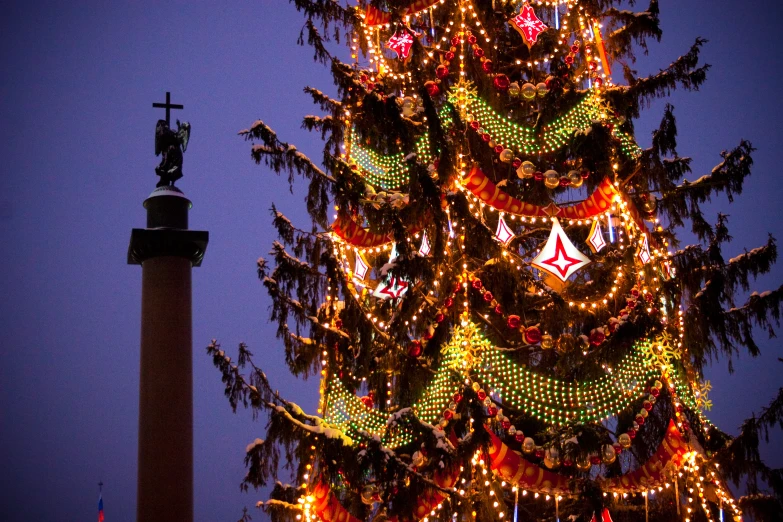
<point x="596" y="238"/>
<point x="393" y="289"/>
<point x="528" y="24"/>
<point x="559" y="257"/>
<point x="401" y="43"/>
<point x="503" y="233"/>
<point x="644" y="251"/>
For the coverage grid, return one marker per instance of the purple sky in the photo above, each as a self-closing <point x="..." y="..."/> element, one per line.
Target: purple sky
<point x="76" y="139"/>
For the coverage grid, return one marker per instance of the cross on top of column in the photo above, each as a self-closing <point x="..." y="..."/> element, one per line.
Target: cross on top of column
<point x="168" y="106"/>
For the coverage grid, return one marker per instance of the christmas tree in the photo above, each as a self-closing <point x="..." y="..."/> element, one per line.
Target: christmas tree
<point x="502" y="320"/>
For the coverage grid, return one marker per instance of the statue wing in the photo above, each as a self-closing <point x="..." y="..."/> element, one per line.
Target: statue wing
<point x="161" y="129"/>
<point x="183" y="133"/>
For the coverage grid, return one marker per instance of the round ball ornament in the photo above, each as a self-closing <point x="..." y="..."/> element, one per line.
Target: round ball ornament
<point x="552" y="458"/>
<point x="513" y="90"/>
<point x="442" y="71"/>
<point x="486" y="65"/>
<point x="532" y="335"/>
<point x="583" y="463"/>
<point x="575" y="178"/>
<point x="507" y="156"/>
<point x="547" y="343"/>
<point x="526" y="170"/>
<point x="414" y="349"/>
<point x="528" y="446"/>
<point x="551" y="179"/>
<point x="513" y="321"/>
<point x="528" y="91"/>
<point x="519" y="437"/>
<point x="501" y="82"/>
<point x="432" y="89"/>
<point x="541" y="89"/>
<point x="369" y="493"/>
<point x="408" y="106"/>
<point x="608" y="455"/>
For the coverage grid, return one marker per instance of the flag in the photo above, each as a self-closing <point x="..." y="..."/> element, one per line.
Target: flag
<point x="100" y="508"/>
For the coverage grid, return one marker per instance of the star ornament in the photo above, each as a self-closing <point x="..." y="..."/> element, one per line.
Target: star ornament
<point x="503" y="233"/>
<point x="360" y="271"/>
<point x="528" y="24"/>
<point x="425" y="248"/>
<point x="401" y="43"/>
<point x="559" y="257"/>
<point x="596" y="238"/>
<point x="393" y="289"/>
<point x="644" y="251"/>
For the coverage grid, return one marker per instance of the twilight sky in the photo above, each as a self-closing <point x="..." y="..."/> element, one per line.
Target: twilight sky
<point x="76" y="142"/>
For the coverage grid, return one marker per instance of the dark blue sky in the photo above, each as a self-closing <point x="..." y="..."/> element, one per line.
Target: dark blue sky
<point x="76" y="142"/>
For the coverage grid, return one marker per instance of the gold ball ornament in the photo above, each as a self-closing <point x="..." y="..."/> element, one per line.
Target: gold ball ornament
<point x="552" y="458"/>
<point x="513" y="90"/>
<point x="608" y="455"/>
<point x="528" y="446"/>
<point x="542" y="89"/>
<point x="547" y="343"/>
<point x="526" y="170"/>
<point x="529" y="91"/>
<point x="551" y="179"/>
<point x="368" y="494"/>
<point x="575" y="178"/>
<point x="644" y="413"/>
<point x="624" y="440"/>
<point x="583" y="463"/>
<point x="507" y="155"/>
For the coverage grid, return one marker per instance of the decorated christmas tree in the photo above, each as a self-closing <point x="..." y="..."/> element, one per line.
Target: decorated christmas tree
<point x="491" y="292"/>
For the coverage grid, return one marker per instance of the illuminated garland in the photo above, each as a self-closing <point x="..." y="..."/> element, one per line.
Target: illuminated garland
<point x="559" y="402"/>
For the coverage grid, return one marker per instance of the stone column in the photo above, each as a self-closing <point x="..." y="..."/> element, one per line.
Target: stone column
<point x="166" y="251"/>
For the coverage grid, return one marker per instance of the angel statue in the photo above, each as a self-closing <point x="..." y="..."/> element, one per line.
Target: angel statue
<point x="171" y="145"/>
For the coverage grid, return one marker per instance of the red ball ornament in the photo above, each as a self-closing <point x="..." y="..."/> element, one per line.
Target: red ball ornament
<point x="486" y="65"/>
<point x="519" y="436"/>
<point x="639" y="420"/>
<point x="477" y="284"/>
<point x="481" y="394"/>
<point x="472" y="39"/>
<point x="498" y="149"/>
<point x="599" y="82"/>
<point x="538" y="175"/>
<point x="532" y="335"/>
<point x="486" y="137"/>
<point x="338" y="324"/>
<point x="574" y="49"/>
<point x="498" y="310"/>
<point x="501" y="82"/>
<point x="448" y="414"/>
<point x="492" y="411"/>
<point x="569" y="60"/>
<point x="564" y="182"/>
<point x="617" y="448"/>
<point x="415" y="349"/>
<point x="597" y="336"/>
<point x="449" y="55"/>
<point x="505" y="424"/>
<point x="432" y="89"/>
<point x="442" y="71"/>
<point x="655" y="392"/>
<point x="457" y="397"/>
<point x="427" y="335"/>
<point x="516" y="163"/>
<point x="595" y="460"/>
<point x="475" y="125"/>
<point x="631" y="433"/>
<point x="635" y="292"/>
<point x="367" y="401"/>
<point x="488" y="296"/>
<point x="540" y="453"/>
<point x="568" y="463"/>
<point x="478" y="52"/>
<point x="448" y="302"/>
<point x="455" y="41"/>
<point x="439" y="318"/>
<point x="513" y="321"/>
<point x="647" y="405"/>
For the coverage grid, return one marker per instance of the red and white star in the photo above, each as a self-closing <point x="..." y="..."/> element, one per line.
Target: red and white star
<point x="559" y="257"/>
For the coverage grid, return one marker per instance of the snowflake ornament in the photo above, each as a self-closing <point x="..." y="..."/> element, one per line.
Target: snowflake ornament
<point x="660" y="353"/>
<point x="701" y="394"/>
<point x="361" y="268"/>
<point x="503" y="233"/>
<point x="559" y="257"/>
<point x="528" y="25"/>
<point x="401" y="43"/>
<point x="596" y="238"/>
